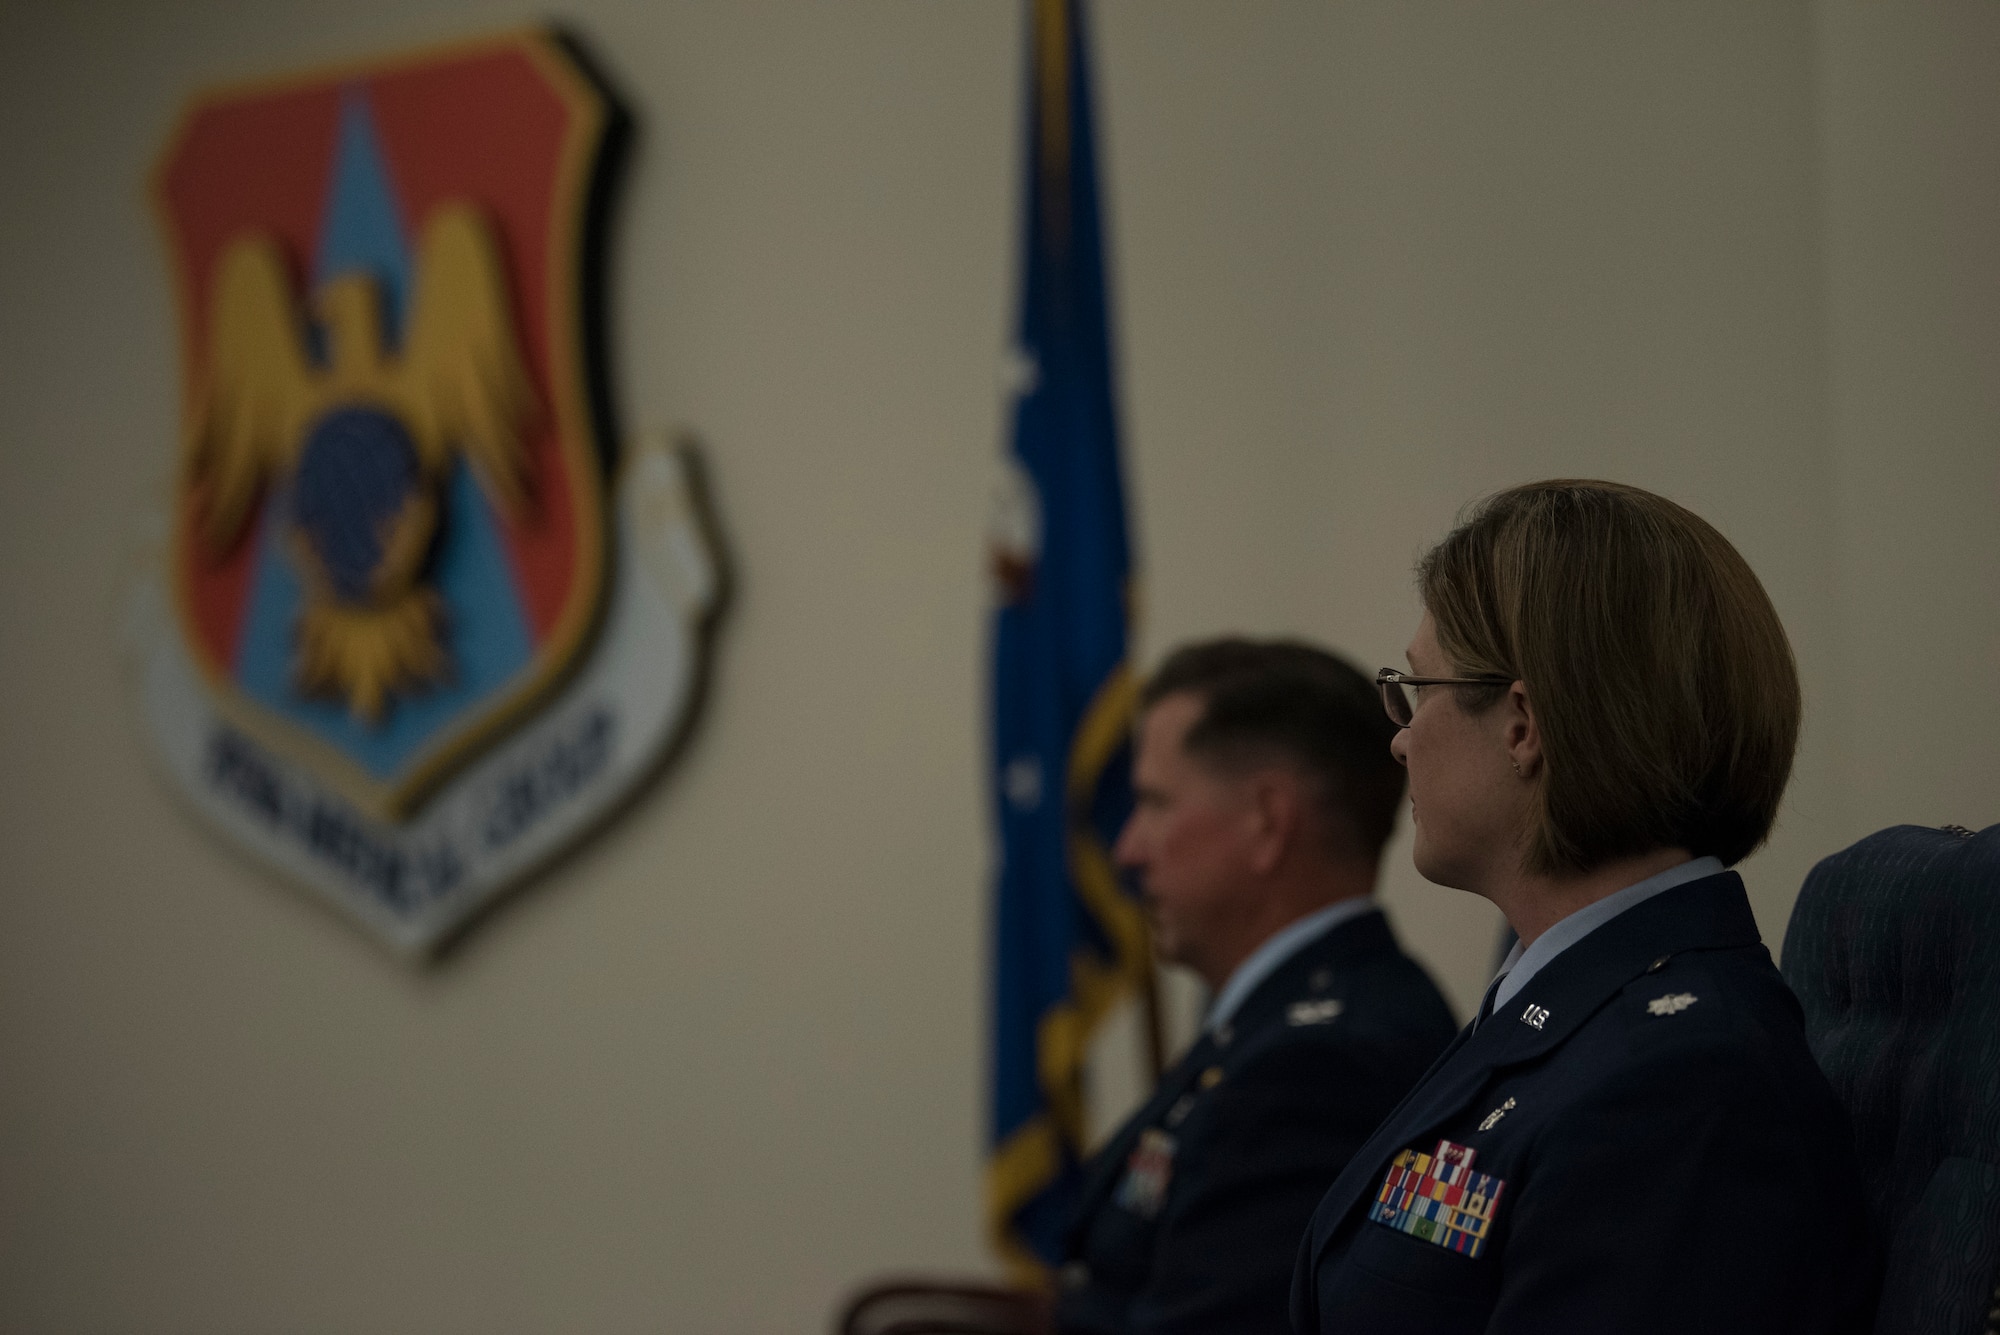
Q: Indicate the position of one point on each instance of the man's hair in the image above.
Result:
(1659, 675)
(1282, 700)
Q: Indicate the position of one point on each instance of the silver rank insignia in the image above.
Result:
(1671, 1004)
(1147, 1173)
(1493, 1118)
(1315, 1012)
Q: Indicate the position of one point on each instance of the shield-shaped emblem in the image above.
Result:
(409, 633)
(389, 540)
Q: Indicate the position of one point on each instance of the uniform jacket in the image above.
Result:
(1191, 1214)
(1649, 1141)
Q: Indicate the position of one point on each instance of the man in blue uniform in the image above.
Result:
(1265, 791)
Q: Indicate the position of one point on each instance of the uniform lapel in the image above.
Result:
(1712, 913)
(1109, 1163)
(1359, 937)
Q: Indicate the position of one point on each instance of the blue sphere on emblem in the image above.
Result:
(356, 473)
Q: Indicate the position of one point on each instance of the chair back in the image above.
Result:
(1894, 952)
(915, 1307)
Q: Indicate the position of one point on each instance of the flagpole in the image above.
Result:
(1156, 1038)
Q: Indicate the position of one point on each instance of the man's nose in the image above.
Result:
(1126, 851)
(1399, 746)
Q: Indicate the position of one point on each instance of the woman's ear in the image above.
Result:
(1523, 737)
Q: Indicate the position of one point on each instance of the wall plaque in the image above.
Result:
(414, 626)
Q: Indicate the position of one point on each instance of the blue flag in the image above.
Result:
(1068, 940)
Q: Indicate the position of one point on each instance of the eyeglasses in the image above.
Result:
(1396, 696)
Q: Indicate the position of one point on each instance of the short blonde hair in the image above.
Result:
(1661, 680)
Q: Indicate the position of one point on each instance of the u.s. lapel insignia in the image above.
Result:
(1315, 1012)
(1438, 1198)
(1671, 1004)
(409, 631)
(1492, 1119)
(1148, 1172)
(1535, 1016)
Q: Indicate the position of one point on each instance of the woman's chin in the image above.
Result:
(1438, 870)
(1427, 867)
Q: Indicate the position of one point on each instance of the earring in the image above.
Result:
(1517, 769)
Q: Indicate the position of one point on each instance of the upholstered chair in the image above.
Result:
(1894, 951)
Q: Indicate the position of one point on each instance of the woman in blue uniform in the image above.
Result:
(1598, 720)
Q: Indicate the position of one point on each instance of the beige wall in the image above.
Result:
(1909, 102)
(1372, 261)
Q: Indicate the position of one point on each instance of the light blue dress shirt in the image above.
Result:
(1522, 965)
(1278, 947)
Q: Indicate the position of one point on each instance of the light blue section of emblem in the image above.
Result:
(363, 226)
(486, 632)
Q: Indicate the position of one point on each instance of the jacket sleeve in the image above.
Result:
(1683, 1195)
(1281, 1130)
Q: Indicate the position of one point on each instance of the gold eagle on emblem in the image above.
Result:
(362, 439)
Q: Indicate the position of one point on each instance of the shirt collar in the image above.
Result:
(1522, 965)
(1278, 947)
